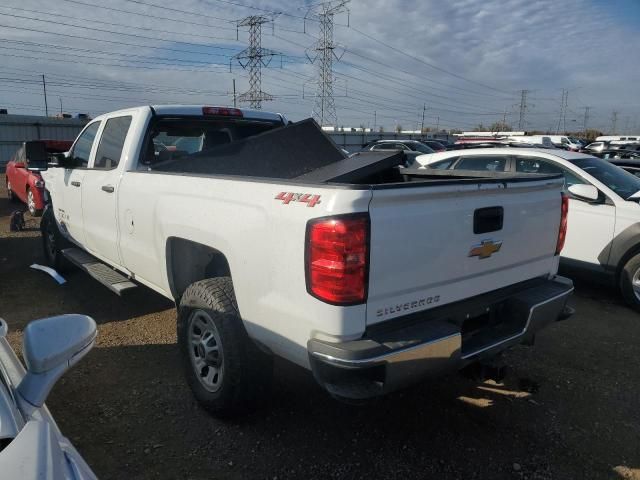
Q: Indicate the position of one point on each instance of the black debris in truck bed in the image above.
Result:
(358, 166)
(286, 152)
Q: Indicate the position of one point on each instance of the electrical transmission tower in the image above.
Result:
(564, 105)
(614, 122)
(586, 117)
(324, 53)
(523, 108)
(253, 58)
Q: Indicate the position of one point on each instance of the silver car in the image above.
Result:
(31, 445)
(410, 148)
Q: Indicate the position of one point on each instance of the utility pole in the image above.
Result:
(60, 98)
(586, 118)
(324, 110)
(254, 57)
(44, 89)
(523, 109)
(614, 122)
(424, 109)
(375, 120)
(234, 94)
(437, 124)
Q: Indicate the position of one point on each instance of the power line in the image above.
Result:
(435, 67)
(113, 24)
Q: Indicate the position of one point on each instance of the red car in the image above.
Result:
(23, 182)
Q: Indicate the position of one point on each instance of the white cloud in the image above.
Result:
(509, 45)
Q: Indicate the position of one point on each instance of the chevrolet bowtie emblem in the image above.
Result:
(485, 249)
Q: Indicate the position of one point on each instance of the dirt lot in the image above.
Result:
(568, 409)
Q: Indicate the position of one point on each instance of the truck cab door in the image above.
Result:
(100, 191)
(68, 209)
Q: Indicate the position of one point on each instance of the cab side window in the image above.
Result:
(386, 146)
(19, 157)
(82, 148)
(492, 163)
(442, 164)
(112, 142)
(539, 165)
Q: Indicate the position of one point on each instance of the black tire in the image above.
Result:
(245, 371)
(630, 270)
(53, 242)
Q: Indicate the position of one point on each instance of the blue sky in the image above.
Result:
(466, 60)
(627, 11)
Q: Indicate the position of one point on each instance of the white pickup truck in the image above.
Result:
(271, 242)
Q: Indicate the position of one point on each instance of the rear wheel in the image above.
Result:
(31, 204)
(53, 242)
(10, 195)
(630, 282)
(226, 371)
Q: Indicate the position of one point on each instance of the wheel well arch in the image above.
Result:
(189, 262)
(631, 252)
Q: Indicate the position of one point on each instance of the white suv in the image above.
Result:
(603, 237)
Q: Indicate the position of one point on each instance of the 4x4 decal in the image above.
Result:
(308, 198)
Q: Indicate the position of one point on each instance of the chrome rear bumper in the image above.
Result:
(404, 350)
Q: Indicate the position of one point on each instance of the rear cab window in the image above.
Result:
(170, 140)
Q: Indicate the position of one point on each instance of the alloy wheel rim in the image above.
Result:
(31, 203)
(635, 283)
(205, 350)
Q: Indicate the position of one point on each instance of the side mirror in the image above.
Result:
(50, 347)
(61, 160)
(584, 192)
(35, 152)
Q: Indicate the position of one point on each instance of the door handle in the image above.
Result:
(107, 188)
(75, 184)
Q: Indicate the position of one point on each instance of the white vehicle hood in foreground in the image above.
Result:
(37, 454)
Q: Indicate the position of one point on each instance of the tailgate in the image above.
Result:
(424, 252)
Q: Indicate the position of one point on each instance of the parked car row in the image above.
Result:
(603, 239)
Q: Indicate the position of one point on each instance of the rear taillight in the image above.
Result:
(222, 111)
(562, 232)
(337, 259)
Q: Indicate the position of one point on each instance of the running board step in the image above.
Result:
(113, 280)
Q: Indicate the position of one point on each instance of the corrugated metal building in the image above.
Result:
(15, 129)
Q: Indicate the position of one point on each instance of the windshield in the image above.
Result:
(419, 147)
(618, 180)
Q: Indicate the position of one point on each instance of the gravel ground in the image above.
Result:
(568, 409)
